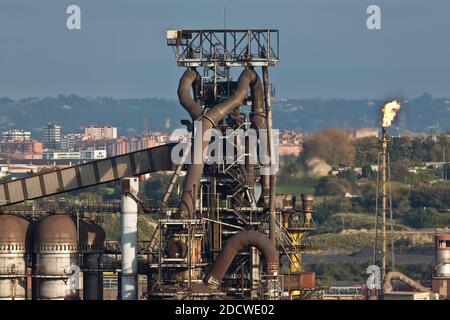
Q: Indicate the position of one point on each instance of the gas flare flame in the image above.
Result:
(389, 111)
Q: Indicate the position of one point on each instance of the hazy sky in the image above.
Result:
(326, 49)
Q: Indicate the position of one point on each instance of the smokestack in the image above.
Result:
(307, 204)
(383, 167)
(128, 238)
(389, 112)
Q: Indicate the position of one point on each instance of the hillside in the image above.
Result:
(351, 232)
(74, 112)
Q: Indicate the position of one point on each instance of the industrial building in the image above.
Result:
(228, 235)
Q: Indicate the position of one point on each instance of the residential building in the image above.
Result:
(290, 143)
(16, 135)
(52, 136)
(61, 155)
(70, 141)
(100, 132)
(21, 149)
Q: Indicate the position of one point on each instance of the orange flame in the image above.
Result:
(389, 111)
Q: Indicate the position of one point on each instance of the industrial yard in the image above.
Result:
(216, 167)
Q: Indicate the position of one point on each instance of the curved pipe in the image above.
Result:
(236, 243)
(189, 79)
(387, 286)
(257, 115)
(209, 119)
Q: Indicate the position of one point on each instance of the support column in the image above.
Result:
(256, 279)
(128, 238)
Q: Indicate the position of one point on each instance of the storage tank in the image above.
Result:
(56, 258)
(443, 256)
(13, 259)
(92, 243)
(441, 277)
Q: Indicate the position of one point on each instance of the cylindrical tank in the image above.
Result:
(307, 203)
(441, 276)
(92, 242)
(56, 270)
(13, 235)
(442, 256)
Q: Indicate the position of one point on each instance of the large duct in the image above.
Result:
(236, 243)
(189, 79)
(390, 276)
(209, 119)
(13, 236)
(258, 121)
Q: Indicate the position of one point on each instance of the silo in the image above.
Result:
(56, 268)
(441, 276)
(443, 256)
(13, 234)
(92, 241)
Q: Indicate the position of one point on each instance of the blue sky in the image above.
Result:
(325, 48)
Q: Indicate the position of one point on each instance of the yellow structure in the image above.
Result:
(403, 295)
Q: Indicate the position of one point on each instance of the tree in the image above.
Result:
(332, 186)
(431, 196)
(447, 171)
(155, 187)
(400, 197)
(367, 171)
(399, 171)
(349, 175)
(366, 151)
(419, 151)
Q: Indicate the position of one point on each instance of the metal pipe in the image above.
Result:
(210, 119)
(128, 238)
(236, 243)
(258, 121)
(387, 286)
(189, 79)
(272, 179)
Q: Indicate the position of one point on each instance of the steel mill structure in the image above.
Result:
(228, 235)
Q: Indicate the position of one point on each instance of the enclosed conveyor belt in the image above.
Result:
(87, 174)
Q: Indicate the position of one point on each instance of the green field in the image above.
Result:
(297, 186)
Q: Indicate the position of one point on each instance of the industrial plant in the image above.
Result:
(228, 234)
